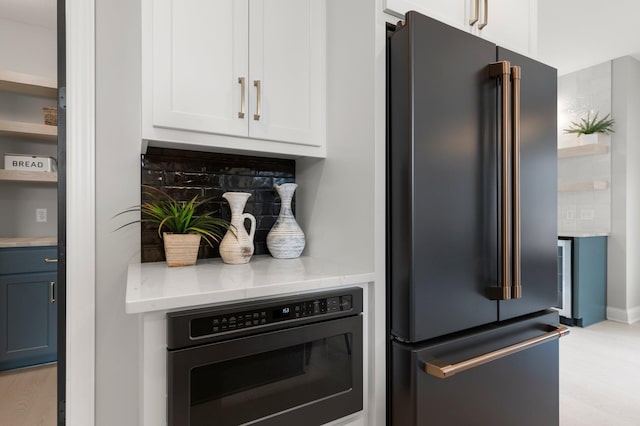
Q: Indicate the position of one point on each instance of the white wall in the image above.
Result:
(334, 203)
(580, 93)
(27, 49)
(575, 34)
(117, 187)
(623, 280)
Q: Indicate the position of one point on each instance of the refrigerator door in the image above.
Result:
(538, 186)
(519, 389)
(442, 180)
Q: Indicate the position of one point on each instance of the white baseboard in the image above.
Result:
(627, 316)
(634, 314)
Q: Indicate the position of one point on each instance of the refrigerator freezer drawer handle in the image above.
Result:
(443, 370)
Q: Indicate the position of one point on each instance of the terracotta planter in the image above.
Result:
(181, 249)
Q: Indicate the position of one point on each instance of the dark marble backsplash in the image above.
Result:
(184, 174)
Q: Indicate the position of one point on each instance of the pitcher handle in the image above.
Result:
(249, 216)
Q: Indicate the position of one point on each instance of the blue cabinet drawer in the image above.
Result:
(21, 260)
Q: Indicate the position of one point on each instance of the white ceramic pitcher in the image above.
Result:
(237, 245)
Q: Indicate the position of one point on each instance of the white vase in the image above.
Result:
(285, 239)
(237, 245)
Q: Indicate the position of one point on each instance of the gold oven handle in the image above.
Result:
(516, 286)
(442, 370)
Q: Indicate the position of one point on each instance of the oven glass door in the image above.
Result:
(310, 374)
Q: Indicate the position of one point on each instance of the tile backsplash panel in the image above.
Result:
(184, 174)
(579, 93)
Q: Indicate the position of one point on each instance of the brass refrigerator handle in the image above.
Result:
(502, 69)
(243, 96)
(516, 286)
(443, 370)
(473, 20)
(52, 292)
(256, 116)
(485, 21)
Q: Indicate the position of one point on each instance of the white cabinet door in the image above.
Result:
(510, 24)
(287, 60)
(199, 53)
(451, 12)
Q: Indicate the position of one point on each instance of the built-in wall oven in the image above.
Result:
(282, 361)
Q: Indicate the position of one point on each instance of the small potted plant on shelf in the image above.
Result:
(179, 226)
(588, 129)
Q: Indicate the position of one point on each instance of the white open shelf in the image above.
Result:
(28, 130)
(582, 150)
(28, 84)
(27, 176)
(596, 185)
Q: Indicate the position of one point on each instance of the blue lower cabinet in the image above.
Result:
(589, 280)
(28, 309)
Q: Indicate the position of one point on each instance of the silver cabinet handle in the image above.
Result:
(243, 96)
(47, 260)
(502, 70)
(52, 292)
(256, 116)
(473, 20)
(516, 287)
(485, 21)
(443, 370)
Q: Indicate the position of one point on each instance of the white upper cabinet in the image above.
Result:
(511, 24)
(508, 23)
(199, 50)
(451, 12)
(235, 75)
(287, 61)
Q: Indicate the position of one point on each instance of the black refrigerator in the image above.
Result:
(471, 231)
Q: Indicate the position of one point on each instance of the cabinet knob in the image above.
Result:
(485, 21)
(473, 20)
(258, 113)
(241, 80)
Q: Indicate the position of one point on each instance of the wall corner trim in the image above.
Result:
(80, 220)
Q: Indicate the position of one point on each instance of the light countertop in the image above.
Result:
(28, 242)
(583, 234)
(156, 287)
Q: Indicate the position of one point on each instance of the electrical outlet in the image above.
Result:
(587, 214)
(41, 215)
(570, 215)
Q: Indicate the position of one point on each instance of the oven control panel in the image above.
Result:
(244, 319)
(224, 322)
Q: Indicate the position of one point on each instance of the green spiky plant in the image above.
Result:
(178, 217)
(588, 126)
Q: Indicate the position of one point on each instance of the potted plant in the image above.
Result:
(179, 226)
(588, 129)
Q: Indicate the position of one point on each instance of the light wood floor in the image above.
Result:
(28, 396)
(599, 381)
(600, 375)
